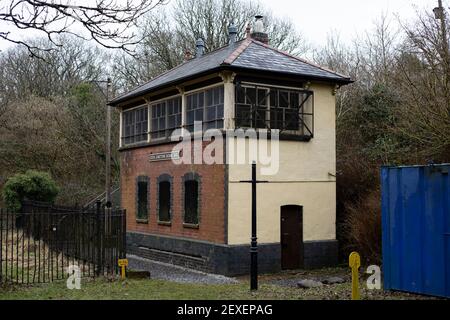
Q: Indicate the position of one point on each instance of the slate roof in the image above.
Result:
(245, 54)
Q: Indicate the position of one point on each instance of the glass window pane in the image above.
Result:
(284, 99)
(164, 201)
(142, 202)
(190, 117)
(210, 113)
(191, 202)
(220, 111)
(240, 95)
(216, 95)
(251, 95)
(199, 115)
(262, 97)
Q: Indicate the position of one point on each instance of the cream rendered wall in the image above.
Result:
(306, 177)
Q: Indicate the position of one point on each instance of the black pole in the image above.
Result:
(98, 242)
(254, 242)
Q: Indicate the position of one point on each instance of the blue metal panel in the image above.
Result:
(415, 204)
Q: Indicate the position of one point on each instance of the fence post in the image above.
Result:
(124, 232)
(1, 245)
(99, 237)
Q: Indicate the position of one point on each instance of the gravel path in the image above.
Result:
(165, 271)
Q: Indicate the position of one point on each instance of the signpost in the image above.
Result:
(254, 242)
(354, 261)
(123, 264)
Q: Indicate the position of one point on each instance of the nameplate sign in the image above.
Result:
(162, 156)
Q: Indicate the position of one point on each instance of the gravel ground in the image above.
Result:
(165, 271)
(291, 278)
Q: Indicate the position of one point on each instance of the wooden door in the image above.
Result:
(291, 237)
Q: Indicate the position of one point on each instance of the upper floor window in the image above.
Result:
(289, 110)
(205, 106)
(165, 118)
(135, 125)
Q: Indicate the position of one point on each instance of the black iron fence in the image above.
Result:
(40, 242)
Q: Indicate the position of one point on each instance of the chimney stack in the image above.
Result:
(200, 48)
(232, 32)
(247, 31)
(187, 55)
(258, 30)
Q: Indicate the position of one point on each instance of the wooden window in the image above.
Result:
(166, 117)
(134, 125)
(173, 115)
(142, 191)
(191, 200)
(164, 198)
(251, 107)
(291, 111)
(206, 106)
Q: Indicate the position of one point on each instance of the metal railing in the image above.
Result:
(41, 241)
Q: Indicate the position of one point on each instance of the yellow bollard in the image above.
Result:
(354, 261)
(123, 263)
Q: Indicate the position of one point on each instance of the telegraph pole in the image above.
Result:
(108, 146)
(439, 13)
(253, 241)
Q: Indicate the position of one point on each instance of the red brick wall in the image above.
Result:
(135, 162)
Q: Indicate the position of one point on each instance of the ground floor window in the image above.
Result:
(164, 198)
(191, 198)
(142, 191)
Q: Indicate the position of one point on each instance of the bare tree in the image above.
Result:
(209, 20)
(423, 80)
(55, 74)
(108, 22)
(169, 32)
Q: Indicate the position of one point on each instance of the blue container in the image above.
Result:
(415, 204)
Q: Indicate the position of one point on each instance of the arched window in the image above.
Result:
(142, 197)
(191, 186)
(164, 198)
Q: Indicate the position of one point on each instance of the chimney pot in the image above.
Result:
(232, 32)
(200, 48)
(187, 55)
(258, 30)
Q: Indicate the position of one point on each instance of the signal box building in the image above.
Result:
(199, 215)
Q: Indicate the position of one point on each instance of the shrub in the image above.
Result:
(361, 227)
(31, 185)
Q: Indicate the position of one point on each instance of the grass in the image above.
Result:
(149, 289)
(26, 260)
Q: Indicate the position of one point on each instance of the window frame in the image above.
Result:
(124, 137)
(205, 106)
(140, 179)
(164, 178)
(303, 129)
(166, 117)
(192, 176)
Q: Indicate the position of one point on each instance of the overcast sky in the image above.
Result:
(315, 19)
